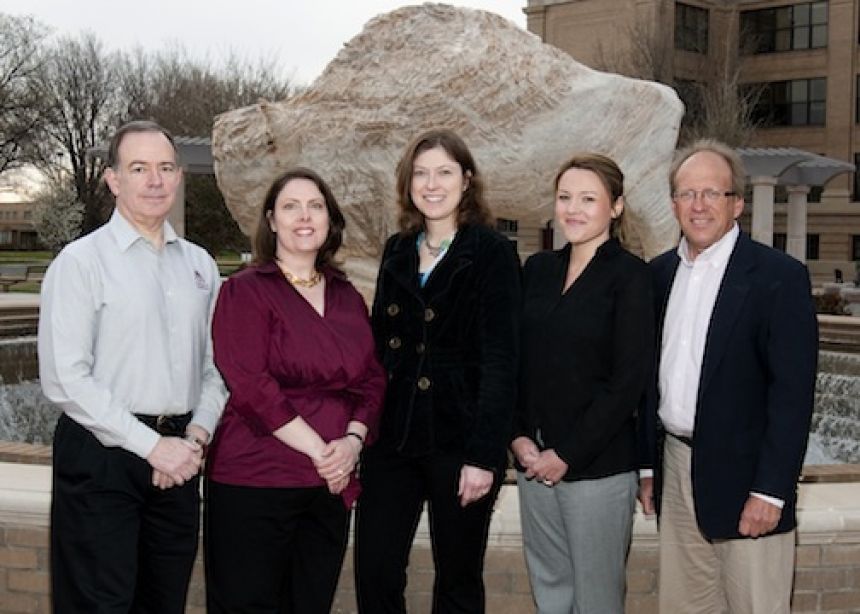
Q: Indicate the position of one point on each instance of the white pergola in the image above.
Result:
(798, 171)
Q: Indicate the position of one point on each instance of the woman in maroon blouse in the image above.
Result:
(293, 342)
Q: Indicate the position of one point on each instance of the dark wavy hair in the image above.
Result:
(473, 208)
(607, 171)
(265, 240)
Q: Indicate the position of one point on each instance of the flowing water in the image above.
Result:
(26, 415)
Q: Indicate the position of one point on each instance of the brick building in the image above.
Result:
(16, 221)
(804, 57)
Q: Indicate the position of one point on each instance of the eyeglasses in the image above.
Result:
(709, 196)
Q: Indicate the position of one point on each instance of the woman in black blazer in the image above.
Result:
(445, 319)
(587, 349)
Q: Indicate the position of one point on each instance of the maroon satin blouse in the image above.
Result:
(280, 359)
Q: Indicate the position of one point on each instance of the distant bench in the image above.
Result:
(11, 274)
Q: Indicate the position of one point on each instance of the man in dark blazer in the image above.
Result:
(725, 425)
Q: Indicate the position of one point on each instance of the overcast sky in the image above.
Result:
(304, 34)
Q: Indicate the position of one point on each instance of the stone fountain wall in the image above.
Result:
(27, 416)
(836, 422)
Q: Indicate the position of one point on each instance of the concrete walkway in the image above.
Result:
(18, 299)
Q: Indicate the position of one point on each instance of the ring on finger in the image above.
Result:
(547, 482)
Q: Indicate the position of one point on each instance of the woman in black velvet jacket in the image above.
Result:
(445, 319)
(587, 350)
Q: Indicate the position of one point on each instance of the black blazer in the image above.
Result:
(586, 358)
(450, 348)
(757, 386)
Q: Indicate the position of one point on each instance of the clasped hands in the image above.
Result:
(336, 461)
(545, 466)
(175, 460)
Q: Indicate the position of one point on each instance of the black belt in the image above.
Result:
(170, 425)
(687, 441)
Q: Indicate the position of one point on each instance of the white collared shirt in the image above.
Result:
(125, 329)
(685, 330)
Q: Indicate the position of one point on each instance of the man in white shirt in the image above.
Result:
(725, 426)
(125, 351)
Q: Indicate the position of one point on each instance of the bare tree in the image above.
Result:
(80, 88)
(648, 55)
(60, 99)
(20, 106)
(184, 95)
(726, 107)
(718, 106)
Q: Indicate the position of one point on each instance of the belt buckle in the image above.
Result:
(160, 423)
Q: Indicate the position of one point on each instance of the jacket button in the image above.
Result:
(429, 314)
(423, 383)
(394, 343)
(420, 347)
(393, 309)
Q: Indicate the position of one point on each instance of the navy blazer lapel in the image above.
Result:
(730, 301)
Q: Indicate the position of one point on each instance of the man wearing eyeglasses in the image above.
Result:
(726, 423)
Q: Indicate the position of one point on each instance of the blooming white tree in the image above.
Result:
(58, 215)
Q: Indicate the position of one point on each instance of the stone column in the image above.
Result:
(795, 242)
(762, 208)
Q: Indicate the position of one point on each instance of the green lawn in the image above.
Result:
(30, 286)
(228, 262)
(25, 257)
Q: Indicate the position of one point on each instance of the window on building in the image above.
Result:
(812, 242)
(28, 215)
(691, 28)
(815, 193)
(784, 28)
(780, 241)
(507, 227)
(857, 101)
(855, 194)
(690, 93)
(801, 102)
(855, 247)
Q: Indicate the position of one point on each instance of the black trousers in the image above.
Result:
(272, 550)
(389, 508)
(118, 544)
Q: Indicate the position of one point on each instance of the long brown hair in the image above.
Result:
(472, 209)
(265, 240)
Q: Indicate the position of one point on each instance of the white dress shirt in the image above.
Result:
(685, 329)
(125, 329)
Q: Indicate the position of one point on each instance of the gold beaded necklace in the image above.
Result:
(310, 282)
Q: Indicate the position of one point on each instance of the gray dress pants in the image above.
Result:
(576, 537)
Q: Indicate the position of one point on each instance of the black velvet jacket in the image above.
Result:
(450, 348)
(587, 354)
